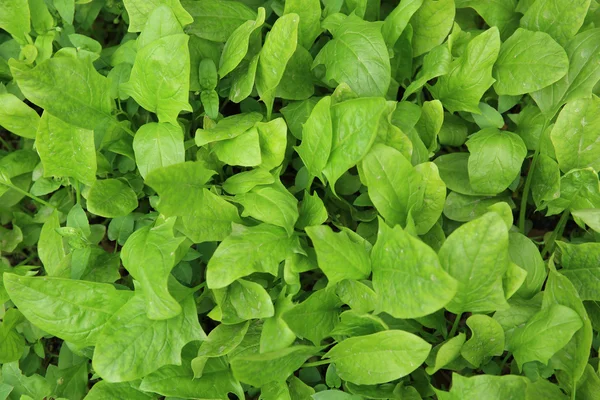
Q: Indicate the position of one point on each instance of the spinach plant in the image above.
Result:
(299, 199)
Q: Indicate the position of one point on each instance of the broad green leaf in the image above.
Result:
(579, 189)
(131, 345)
(250, 249)
(276, 334)
(590, 216)
(66, 150)
(341, 255)
(276, 366)
(579, 262)
(495, 159)
(529, 61)
(243, 80)
(309, 26)
(396, 21)
(161, 22)
(312, 211)
(237, 44)
(573, 358)
(160, 77)
(430, 123)
(17, 117)
(317, 138)
(66, 308)
(431, 24)
(209, 220)
(574, 135)
(228, 128)
(559, 19)
(435, 63)
(501, 13)
(158, 145)
(12, 344)
(453, 131)
(14, 19)
(453, 169)
(68, 88)
(228, 151)
(489, 117)
(223, 339)
(247, 180)
(517, 315)
(279, 47)
(139, 11)
(358, 296)
(275, 391)
(272, 137)
(216, 382)
(272, 204)
(488, 387)
(106, 390)
(358, 56)
(51, 249)
(470, 75)
(353, 323)
(216, 20)
(526, 255)
(111, 198)
(432, 196)
(487, 340)
(355, 126)
(584, 73)
(297, 80)
(25, 387)
(296, 114)
(71, 382)
(545, 182)
(149, 255)
(179, 186)
(378, 358)
(393, 183)
(445, 353)
(315, 317)
(544, 334)
(407, 275)
(476, 255)
(250, 300)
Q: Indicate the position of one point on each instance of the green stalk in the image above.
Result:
(24, 193)
(455, 325)
(316, 363)
(525, 194)
(556, 233)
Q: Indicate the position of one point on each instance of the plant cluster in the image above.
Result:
(299, 199)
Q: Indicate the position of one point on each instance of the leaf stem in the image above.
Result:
(556, 233)
(525, 194)
(455, 325)
(25, 193)
(316, 363)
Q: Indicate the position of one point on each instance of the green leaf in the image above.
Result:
(453, 168)
(106, 390)
(49, 302)
(178, 381)
(431, 198)
(51, 249)
(579, 189)
(526, 255)
(584, 73)
(435, 63)
(158, 145)
(529, 61)
(227, 128)
(358, 56)
(297, 80)
(221, 340)
(272, 137)
(500, 13)
(216, 20)
(545, 182)
(250, 249)
(580, 266)
(279, 47)
(431, 24)
(560, 20)
(149, 255)
(130, 339)
(476, 255)
(66, 150)
(228, 152)
(237, 44)
(247, 180)
(489, 117)
(487, 340)
(317, 138)
(342, 255)
(160, 77)
(407, 275)
(84, 101)
(315, 317)
(161, 22)
(276, 366)
(446, 353)
(111, 198)
(139, 12)
(487, 386)
(470, 75)
(358, 296)
(14, 19)
(24, 387)
(378, 358)
(17, 117)
(309, 26)
(312, 211)
(590, 216)
(574, 135)
(495, 159)
(12, 345)
(396, 21)
(544, 334)
(250, 300)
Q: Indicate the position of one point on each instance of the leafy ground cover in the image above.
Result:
(299, 199)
